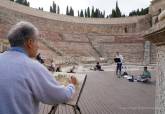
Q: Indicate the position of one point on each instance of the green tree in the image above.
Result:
(54, 7)
(58, 10)
(19, 1)
(104, 14)
(78, 13)
(81, 13)
(51, 9)
(88, 12)
(139, 12)
(23, 2)
(92, 13)
(71, 13)
(40, 8)
(118, 12)
(97, 13)
(113, 13)
(67, 10)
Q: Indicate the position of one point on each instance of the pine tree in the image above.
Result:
(88, 12)
(92, 14)
(104, 14)
(113, 13)
(40, 8)
(19, 1)
(139, 12)
(118, 12)
(96, 13)
(67, 10)
(78, 13)
(23, 2)
(58, 10)
(71, 12)
(54, 7)
(51, 9)
(81, 13)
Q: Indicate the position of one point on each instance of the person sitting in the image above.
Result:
(58, 69)
(98, 67)
(38, 57)
(52, 66)
(145, 77)
(72, 70)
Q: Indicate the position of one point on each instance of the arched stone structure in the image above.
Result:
(81, 37)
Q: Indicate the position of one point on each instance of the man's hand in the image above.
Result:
(73, 80)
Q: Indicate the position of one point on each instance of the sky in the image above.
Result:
(125, 6)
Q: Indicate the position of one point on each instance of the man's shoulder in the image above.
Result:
(34, 64)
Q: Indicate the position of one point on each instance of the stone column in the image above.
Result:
(147, 53)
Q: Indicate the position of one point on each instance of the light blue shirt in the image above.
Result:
(25, 82)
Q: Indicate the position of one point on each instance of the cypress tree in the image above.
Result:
(96, 13)
(54, 7)
(92, 14)
(51, 10)
(113, 13)
(118, 12)
(19, 1)
(88, 12)
(40, 8)
(139, 12)
(81, 13)
(104, 14)
(78, 13)
(67, 11)
(58, 10)
(23, 2)
(71, 13)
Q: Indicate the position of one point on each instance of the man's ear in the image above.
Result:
(29, 43)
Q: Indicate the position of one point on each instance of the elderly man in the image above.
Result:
(24, 82)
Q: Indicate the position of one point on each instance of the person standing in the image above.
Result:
(24, 82)
(119, 64)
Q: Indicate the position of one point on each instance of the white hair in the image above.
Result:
(21, 32)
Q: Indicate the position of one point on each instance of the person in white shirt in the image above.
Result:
(24, 82)
(119, 64)
(52, 66)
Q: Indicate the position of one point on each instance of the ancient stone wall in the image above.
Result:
(80, 37)
(156, 35)
(156, 7)
(160, 87)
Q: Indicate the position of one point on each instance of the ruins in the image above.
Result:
(74, 39)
